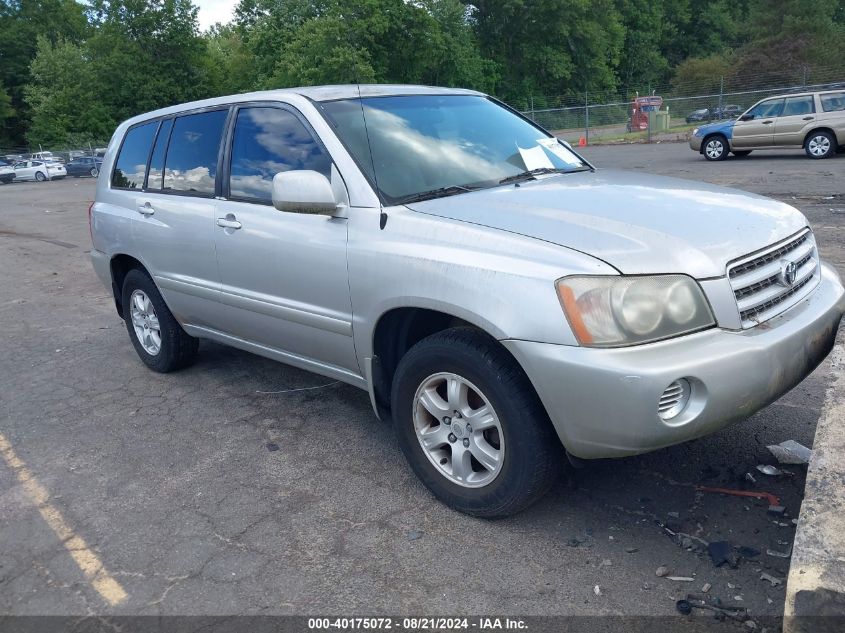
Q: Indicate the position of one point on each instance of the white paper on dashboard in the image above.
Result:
(535, 158)
(559, 150)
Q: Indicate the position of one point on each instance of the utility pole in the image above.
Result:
(721, 91)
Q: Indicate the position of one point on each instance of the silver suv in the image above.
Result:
(498, 297)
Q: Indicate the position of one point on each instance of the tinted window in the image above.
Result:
(154, 178)
(766, 109)
(796, 106)
(268, 141)
(132, 160)
(191, 163)
(833, 101)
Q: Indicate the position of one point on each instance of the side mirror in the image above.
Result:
(303, 191)
(746, 117)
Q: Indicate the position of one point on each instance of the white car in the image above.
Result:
(39, 170)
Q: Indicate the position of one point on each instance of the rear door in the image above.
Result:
(284, 274)
(174, 201)
(759, 129)
(797, 118)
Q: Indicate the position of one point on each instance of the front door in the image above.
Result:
(283, 275)
(759, 128)
(799, 113)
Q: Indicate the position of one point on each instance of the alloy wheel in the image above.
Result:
(819, 145)
(145, 322)
(714, 148)
(458, 430)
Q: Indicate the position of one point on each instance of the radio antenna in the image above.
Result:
(382, 222)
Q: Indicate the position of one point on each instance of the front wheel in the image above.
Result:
(94, 172)
(471, 425)
(716, 148)
(820, 145)
(157, 337)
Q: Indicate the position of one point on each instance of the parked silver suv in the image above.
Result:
(495, 294)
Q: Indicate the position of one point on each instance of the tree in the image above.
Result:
(61, 96)
(22, 22)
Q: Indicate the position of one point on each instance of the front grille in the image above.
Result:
(758, 281)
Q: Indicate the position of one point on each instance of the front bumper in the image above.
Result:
(603, 402)
(695, 142)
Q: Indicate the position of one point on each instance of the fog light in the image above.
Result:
(674, 399)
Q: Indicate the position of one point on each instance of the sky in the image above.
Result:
(212, 11)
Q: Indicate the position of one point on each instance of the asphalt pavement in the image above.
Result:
(243, 486)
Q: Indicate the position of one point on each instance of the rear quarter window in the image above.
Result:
(131, 163)
(191, 163)
(833, 101)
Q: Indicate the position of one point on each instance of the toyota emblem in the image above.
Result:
(788, 273)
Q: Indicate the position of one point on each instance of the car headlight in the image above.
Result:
(617, 311)
(696, 131)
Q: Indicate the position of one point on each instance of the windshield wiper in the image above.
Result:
(440, 192)
(531, 173)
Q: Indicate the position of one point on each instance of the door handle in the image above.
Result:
(766, 122)
(229, 222)
(809, 118)
(146, 209)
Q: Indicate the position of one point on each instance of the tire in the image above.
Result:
(528, 455)
(175, 348)
(742, 154)
(40, 177)
(94, 172)
(715, 147)
(820, 145)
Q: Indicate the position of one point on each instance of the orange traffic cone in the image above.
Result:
(582, 142)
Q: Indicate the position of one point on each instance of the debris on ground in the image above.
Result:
(778, 554)
(776, 510)
(415, 535)
(680, 578)
(722, 552)
(706, 587)
(750, 477)
(662, 571)
(790, 452)
(775, 581)
(740, 614)
(597, 590)
(772, 499)
(766, 469)
(272, 446)
(631, 550)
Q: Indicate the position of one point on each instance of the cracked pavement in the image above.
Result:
(170, 481)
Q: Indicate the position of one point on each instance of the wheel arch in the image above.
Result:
(711, 135)
(120, 265)
(397, 330)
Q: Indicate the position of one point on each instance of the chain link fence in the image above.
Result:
(608, 118)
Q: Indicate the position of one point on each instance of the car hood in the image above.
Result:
(638, 223)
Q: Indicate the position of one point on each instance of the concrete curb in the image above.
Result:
(816, 583)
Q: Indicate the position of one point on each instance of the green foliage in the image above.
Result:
(72, 71)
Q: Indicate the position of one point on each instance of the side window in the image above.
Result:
(156, 176)
(191, 163)
(766, 109)
(131, 163)
(833, 101)
(796, 106)
(268, 141)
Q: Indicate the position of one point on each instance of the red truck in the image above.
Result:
(640, 108)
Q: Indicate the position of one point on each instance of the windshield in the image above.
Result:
(433, 145)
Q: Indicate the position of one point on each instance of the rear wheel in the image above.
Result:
(94, 172)
(716, 148)
(820, 145)
(40, 177)
(742, 154)
(471, 426)
(157, 337)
